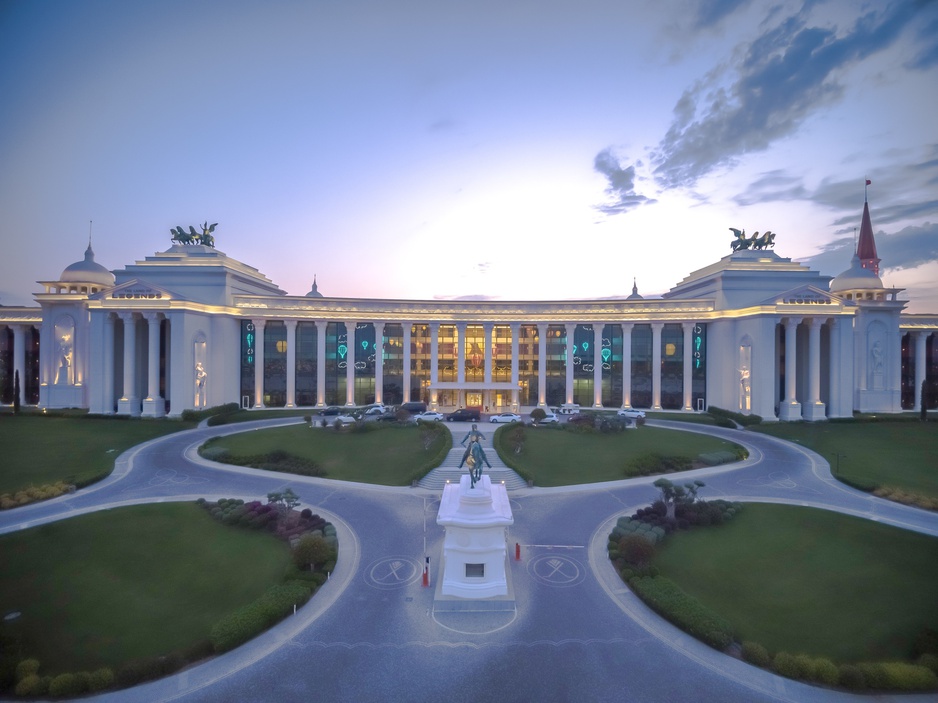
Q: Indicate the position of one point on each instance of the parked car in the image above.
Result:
(428, 416)
(569, 409)
(549, 419)
(332, 410)
(630, 413)
(414, 407)
(344, 418)
(377, 410)
(464, 415)
(505, 417)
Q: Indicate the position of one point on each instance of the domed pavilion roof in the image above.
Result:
(856, 278)
(87, 271)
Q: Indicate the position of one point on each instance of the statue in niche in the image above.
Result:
(876, 357)
(200, 378)
(474, 455)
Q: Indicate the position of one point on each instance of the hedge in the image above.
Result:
(247, 622)
(666, 598)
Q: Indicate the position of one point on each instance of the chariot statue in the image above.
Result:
(180, 235)
(756, 241)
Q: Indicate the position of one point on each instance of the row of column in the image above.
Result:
(153, 405)
(656, 327)
(790, 408)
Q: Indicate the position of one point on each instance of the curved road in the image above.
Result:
(370, 634)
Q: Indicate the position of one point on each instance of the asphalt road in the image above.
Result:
(370, 634)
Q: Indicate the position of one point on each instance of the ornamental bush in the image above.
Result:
(27, 667)
(31, 685)
(756, 654)
(67, 685)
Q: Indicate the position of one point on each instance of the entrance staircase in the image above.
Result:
(449, 470)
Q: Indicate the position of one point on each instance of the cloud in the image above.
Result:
(621, 184)
(712, 12)
(773, 185)
(778, 80)
(908, 248)
(927, 55)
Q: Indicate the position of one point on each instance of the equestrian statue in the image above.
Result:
(754, 242)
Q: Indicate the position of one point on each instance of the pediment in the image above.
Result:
(803, 295)
(136, 289)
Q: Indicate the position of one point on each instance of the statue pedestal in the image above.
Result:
(474, 573)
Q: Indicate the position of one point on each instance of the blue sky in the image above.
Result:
(512, 150)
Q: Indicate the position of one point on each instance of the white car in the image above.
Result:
(378, 410)
(505, 417)
(344, 418)
(549, 419)
(630, 413)
(428, 416)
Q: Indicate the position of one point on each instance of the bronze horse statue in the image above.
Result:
(192, 237)
(754, 242)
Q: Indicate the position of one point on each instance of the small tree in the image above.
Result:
(636, 550)
(16, 392)
(537, 415)
(311, 550)
(285, 501)
(671, 495)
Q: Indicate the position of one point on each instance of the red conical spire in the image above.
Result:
(866, 245)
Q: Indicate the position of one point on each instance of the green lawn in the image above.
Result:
(388, 455)
(554, 457)
(901, 454)
(100, 589)
(809, 581)
(39, 450)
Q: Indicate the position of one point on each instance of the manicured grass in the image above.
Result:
(554, 457)
(901, 454)
(101, 589)
(39, 450)
(809, 581)
(388, 455)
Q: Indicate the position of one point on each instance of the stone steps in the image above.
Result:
(449, 471)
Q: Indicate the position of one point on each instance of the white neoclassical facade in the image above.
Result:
(191, 327)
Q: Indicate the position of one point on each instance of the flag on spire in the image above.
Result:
(869, 182)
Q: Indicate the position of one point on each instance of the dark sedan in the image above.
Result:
(463, 415)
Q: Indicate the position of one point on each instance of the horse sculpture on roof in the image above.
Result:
(754, 242)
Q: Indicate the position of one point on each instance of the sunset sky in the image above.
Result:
(511, 150)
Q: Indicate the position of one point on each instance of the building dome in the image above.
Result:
(314, 291)
(635, 294)
(856, 278)
(87, 271)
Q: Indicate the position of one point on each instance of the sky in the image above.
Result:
(469, 150)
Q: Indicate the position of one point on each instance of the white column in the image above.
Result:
(379, 362)
(350, 363)
(598, 364)
(814, 409)
(405, 383)
(688, 328)
(259, 362)
(656, 328)
(153, 404)
(19, 358)
(487, 334)
(790, 408)
(627, 364)
(291, 362)
(920, 338)
(107, 383)
(542, 330)
(460, 353)
(515, 400)
(129, 404)
(321, 328)
(568, 366)
(434, 362)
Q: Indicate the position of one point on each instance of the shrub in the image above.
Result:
(138, 670)
(100, 680)
(785, 664)
(27, 667)
(310, 550)
(67, 685)
(665, 597)
(252, 619)
(30, 685)
(851, 677)
(636, 549)
(826, 672)
(756, 654)
(898, 676)
(928, 660)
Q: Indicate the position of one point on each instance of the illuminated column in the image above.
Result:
(790, 409)
(487, 332)
(321, 329)
(460, 353)
(259, 362)
(568, 365)
(921, 338)
(688, 328)
(350, 363)
(19, 357)
(434, 361)
(597, 364)
(814, 408)
(515, 400)
(129, 404)
(379, 362)
(291, 363)
(627, 364)
(542, 330)
(656, 328)
(406, 328)
(107, 385)
(153, 404)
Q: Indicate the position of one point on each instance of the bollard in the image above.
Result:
(517, 552)
(426, 578)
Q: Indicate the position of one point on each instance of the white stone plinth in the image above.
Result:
(475, 547)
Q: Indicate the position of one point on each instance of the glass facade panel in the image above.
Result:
(248, 345)
(337, 355)
(556, 365)
(527, 364)
(275, 364)
(699, 366)
(393, 369)
(475, 354)
(583, 365)
(307, 339)
(641, 366)
(612, 366)
(420, 363)
(501, 354)
(364, 359)
(672, 367)
(448, 351)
